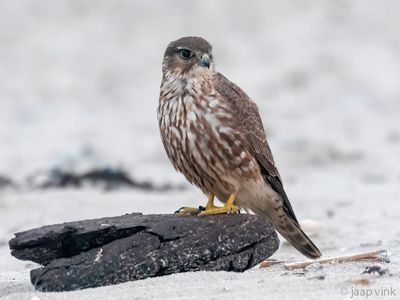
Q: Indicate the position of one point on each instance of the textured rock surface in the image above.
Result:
(107, 251)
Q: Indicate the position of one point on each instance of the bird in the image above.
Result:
(213, 134)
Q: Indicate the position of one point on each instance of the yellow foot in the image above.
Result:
(210, 209)
(228, 208)
(189, 211)
(220, 210)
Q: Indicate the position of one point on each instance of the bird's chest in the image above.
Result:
(200, 137)
(192, 135)
(195, 125)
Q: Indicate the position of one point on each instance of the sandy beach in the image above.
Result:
(79, 84)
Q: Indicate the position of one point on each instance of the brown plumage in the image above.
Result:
(213, 134)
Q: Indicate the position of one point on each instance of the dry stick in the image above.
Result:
(377, 254)
(269, 262)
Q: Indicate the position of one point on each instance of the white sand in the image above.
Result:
(79, 87)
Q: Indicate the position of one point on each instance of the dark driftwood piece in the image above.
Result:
(107, 178)
(106, 251)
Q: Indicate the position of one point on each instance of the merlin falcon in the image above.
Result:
(213, 134)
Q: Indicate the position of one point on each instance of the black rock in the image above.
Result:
(106, 251)
(375, 270)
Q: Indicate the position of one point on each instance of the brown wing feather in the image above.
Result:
(250, 122)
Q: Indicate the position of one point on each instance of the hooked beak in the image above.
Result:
(204, 61)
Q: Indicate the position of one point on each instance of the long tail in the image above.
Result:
(292, 232)
(284, 219)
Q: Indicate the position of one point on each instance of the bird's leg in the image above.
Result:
(228, 208)
(210, 203)
(190, 211)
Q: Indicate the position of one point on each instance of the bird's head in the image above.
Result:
(188, 54)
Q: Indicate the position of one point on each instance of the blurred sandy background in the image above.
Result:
(79, 84)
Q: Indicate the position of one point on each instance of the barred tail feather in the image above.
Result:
(292, 232)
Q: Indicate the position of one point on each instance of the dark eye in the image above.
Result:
(186, 54)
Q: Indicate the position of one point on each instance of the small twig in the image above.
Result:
(371, 255)
(269, 262)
